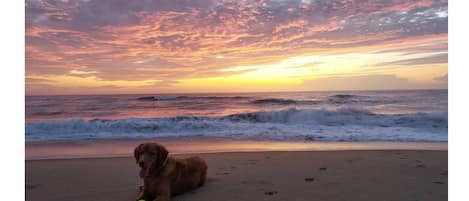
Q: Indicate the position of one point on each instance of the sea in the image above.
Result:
(339, 116)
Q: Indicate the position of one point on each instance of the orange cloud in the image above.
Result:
(137, 43)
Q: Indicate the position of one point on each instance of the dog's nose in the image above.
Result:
(140, 164)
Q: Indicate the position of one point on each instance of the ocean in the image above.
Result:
(364, 116)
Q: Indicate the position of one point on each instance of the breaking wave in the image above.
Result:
(343, 124)
(280, 101)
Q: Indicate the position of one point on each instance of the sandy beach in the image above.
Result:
(304, 175)
(311, 100)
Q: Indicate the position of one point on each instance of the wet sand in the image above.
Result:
(186, 145)
(304, 175)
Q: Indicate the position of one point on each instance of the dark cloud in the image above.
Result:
(437, 46)
(36, 81)
(434, 59)
(443, 78)
(366, 82)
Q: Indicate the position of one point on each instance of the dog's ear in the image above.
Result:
(162, 154)
(137, 152)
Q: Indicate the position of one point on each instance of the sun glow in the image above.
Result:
(236, 84)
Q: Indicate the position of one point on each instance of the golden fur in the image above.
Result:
(164, 175)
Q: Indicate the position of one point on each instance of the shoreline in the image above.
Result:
(124, 147)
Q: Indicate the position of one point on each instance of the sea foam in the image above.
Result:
(342, 124)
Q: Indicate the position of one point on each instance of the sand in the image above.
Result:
(180, 145)
(312, 175)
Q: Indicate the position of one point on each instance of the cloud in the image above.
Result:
(87, 80)
(155, 61)
(179, 39)
(79, 72)
(167, 83)
(433, 59)
(443, 78)
(365, 82)
(29, 80)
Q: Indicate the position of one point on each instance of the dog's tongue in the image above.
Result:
(143, 172)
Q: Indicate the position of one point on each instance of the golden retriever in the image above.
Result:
(164, 176)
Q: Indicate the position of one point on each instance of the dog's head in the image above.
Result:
(150, 157)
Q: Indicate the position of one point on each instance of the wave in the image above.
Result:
(341, 99)
(338, 99)
(281, 101)
(157, 98)
(344, 96)
(344, 116)
(169, 98)
(345, 124)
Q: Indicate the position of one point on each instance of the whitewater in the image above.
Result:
(403, 116)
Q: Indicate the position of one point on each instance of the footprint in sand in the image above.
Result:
(402, 155)
(309, 179)
(270, 193)
(256, 182)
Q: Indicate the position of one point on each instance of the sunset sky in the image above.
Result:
(180, 46)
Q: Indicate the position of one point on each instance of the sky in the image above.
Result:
(195, 46)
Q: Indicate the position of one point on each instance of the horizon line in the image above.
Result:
(292, 91)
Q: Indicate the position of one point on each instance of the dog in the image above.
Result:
(164, 176)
